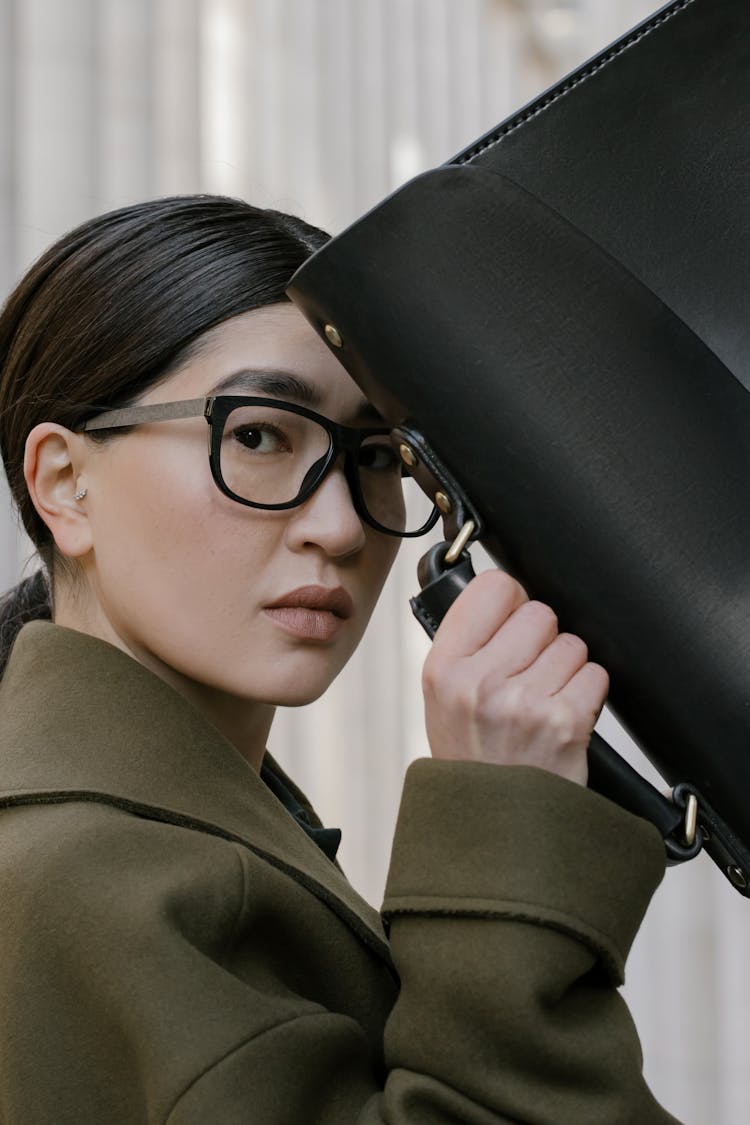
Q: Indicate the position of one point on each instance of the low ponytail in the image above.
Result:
(28, 601)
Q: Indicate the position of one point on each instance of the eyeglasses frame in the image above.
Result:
(217, 408)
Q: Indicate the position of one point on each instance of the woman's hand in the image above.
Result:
(502, 685)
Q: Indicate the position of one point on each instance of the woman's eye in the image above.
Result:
(261, 438)
(379, 457)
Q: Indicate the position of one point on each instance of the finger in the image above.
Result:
(477, 613)
(587, 690)
(557, 664)
(521, 639)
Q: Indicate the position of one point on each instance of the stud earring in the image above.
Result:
(80, 494)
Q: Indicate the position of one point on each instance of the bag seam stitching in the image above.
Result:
(560, 91)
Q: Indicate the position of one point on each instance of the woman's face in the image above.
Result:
(184, 577)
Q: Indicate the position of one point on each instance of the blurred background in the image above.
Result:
(322, 107)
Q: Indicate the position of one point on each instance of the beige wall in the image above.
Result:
(323, 106)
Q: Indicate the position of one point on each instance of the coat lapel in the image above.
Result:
(81, 720)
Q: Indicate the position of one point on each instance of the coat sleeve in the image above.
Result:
(512, 900)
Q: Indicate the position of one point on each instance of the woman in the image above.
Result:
(176, 944)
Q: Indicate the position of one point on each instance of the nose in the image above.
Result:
(328, 519)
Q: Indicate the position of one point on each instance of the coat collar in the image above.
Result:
(81, 720)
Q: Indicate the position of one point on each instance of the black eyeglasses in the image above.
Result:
(271, 454)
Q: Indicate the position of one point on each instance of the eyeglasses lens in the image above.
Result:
(393, 499)
(268, 455)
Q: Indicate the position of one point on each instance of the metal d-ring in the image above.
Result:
(458, 544)
(692, 837)
(691, 819)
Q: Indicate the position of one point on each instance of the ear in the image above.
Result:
(54, 468)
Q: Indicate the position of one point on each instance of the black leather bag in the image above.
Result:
(562, 313)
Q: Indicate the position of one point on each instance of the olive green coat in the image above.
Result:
(175, 949)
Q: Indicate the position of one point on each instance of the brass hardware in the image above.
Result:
(333, 335)
(691, 819)
(443, 502)
(408, 456)
(737, 876)
(458, 544)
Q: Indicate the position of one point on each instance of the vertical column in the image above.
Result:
(7, 146)
(227, 140)
(730, 1088)
(500, 60)
(176, 97)
(338, 65)
(370, 94)
(437, 79)
(406, 155)
(300, 117)
(56, 120)
(125, 102)
(47, 111)
(8, 550)
(465, 113)
(263, 96)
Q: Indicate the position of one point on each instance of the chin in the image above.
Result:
(302, 679)
(294, 692)
(297, 699)
(301, 691)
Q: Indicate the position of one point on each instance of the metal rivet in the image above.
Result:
(333, 335)
(737, 876)
(443, 502)
(408, 456)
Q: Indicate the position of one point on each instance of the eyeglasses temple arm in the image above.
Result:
(153, 412)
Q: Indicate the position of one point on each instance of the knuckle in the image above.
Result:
(564, 723)
(516, 590)
(444, 683)
(513, 701)
(574, 644)
(434, 674)
(516, 695)
(484, 699)
(503, 585)
(542, 613)
(433, 678)
(601, 674)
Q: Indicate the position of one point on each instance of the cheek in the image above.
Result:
(174, 558)
(151, 508)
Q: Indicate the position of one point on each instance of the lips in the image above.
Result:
(323, 599)
(311, 614)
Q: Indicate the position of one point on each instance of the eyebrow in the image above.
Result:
(285, 384)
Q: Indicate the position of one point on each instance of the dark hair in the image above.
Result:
(113, 307)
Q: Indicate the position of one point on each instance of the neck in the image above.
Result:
(243, 722)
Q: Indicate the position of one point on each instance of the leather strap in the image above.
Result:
(433, 476)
